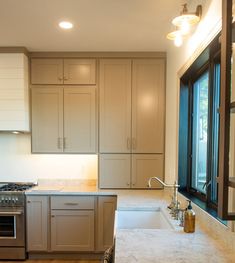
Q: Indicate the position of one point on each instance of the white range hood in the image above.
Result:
(14, 92)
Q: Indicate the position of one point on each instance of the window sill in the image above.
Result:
(203, 206)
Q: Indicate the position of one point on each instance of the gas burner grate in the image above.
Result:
(17, 187)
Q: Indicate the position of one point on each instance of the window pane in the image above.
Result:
(199, 135)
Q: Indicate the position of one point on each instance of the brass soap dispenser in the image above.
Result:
(189, 219)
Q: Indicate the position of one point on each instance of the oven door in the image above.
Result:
(12, 227)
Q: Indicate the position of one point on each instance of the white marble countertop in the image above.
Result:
(162, 245)
(168, 246)
(148, 245)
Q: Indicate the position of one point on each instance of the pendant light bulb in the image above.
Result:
(178, 41)
(185, 27)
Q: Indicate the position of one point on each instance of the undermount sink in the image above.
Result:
(141, 219)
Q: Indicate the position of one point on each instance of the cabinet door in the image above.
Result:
(72, 230)
(115, 105)
(80, 120)
(46, 71)
(145, 166)
(47, 120)
(37, 223)
(114, 171)
(106, 214)
(80, 71)
(148, 106)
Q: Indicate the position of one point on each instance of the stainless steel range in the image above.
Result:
(12, 220)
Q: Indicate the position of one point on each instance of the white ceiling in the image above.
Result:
(99, 25)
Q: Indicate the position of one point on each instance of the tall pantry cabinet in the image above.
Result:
(132, 121)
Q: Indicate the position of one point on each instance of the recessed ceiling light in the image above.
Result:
(66, 25)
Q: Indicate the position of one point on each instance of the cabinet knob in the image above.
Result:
(65, 78)
(52, 216)
(28, 202)
(127, 184)
(60, 79)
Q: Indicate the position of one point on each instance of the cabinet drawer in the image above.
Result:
(72, 202)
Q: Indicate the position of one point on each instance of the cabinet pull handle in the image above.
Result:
(71, 203)
(134, 144)
(59, 143)
(65, 78)
(60, 79)
(52, 216)
(65, 142)
(128, 143)
(28, 202)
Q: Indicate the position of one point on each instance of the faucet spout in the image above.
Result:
(174, 205)
(175, 185)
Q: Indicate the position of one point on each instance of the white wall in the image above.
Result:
(205, 31)
(18, 164)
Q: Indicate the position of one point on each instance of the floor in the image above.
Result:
(53, 261)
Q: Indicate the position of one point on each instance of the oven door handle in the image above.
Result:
(11, 213)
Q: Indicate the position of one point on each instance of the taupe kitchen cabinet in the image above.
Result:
(148, 105)
(72, 223)
(105, 222)
(115, 106)
(64, 119)
(63, 71)
(114, 170)
(132, 121)
(132, 105)
(129, 170)
(37, 222)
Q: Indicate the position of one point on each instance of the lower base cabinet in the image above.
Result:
(37, 223)
(105, 222)
(72, 230)
(72, 224)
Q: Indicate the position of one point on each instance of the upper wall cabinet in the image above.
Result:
(115, 105)
(132, 105)
(148, 105)
(64, 119)
(14, 92)
(63, 71)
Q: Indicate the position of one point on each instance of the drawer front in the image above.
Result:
(73, 202)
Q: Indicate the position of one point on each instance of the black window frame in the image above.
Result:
(207, 61)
